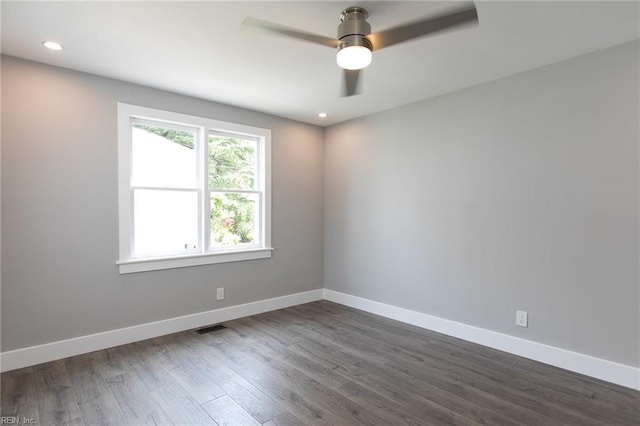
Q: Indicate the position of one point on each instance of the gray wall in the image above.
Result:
(60, 212)
(517, 194)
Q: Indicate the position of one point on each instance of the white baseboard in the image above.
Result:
(609, 371)
(33, 355)
(573, 361)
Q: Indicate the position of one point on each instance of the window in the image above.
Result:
(192, 190)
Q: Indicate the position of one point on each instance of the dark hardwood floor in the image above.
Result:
(319, 363)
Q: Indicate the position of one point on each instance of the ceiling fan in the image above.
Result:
(355, 42)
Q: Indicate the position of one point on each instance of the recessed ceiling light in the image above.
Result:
(52, 45)
(323, 115)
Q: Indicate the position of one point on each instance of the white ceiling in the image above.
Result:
(199, 49)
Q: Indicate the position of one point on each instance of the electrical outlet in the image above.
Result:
(522, 318)
(220, 293)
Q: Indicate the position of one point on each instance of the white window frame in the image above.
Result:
(127, 263)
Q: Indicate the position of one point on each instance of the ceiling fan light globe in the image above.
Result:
(354, 57)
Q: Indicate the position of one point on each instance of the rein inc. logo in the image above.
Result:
(17, 420)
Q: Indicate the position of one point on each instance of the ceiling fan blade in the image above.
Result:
(465, 15)
(282, 30)
(351, 83)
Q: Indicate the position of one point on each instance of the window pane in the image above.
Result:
(163, 157)
(234, 219)
(164, 221)
(232, 163)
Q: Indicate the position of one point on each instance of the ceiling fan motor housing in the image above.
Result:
(354, 28)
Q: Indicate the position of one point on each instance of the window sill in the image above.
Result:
(158, 263)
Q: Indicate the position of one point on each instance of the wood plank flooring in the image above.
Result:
(314, 364)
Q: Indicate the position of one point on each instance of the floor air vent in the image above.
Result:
(210, 329)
